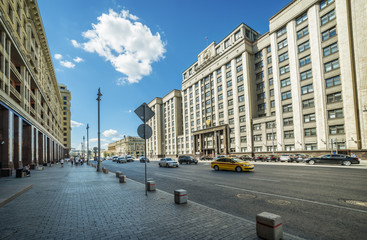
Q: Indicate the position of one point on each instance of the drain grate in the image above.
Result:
(246, 196)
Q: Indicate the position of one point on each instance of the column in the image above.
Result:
(27, 142)
(36, 146)
(6, 138)
(248, 92)
(235, 106)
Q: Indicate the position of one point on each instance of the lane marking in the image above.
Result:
(293, 198)
(163, 175)
(263, 179)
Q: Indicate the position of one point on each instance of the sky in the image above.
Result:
(134, 51)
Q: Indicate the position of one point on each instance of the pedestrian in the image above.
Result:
(27, 170)
(72, 162)
(62, 162)
(81, 162)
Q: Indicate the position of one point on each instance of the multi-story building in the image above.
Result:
(30, 102)
(299, 87)
(66, 119)
(166, 125)
(133, 146)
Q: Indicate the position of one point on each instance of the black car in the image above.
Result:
(258, 158)
(187, 160)
(333, 159)
(245, 158)
(206, 158)
(270, 158)
(142, 159)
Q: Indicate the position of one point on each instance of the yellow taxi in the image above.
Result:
(231, 163)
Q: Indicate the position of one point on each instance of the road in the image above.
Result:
(315, 202)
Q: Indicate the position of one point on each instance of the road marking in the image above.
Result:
(293, 198)
(163, 175)
(263, 179)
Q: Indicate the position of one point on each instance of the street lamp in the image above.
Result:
(99, 131)
(272, 136)
(87, 143)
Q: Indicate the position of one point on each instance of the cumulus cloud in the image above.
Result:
(78, 59)
(76, 124)
(67, 64)
(127, 44)
(96, 140)
(116, 139)
(58, 56)
(110, 133)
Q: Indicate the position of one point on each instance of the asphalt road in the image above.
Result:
(315, 202)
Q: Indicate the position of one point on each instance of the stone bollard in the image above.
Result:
(40, 168)
(150, 186)
(269, 226)
(180, 196)
(118, 174)
(122, 178)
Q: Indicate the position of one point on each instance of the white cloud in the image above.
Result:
(58, 56)
(67, 64)
(96, 140)
(110, 133)
(115, 139)
(128, 45)
(76, 124)
(78, 59)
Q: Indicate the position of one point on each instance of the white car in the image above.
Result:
(167, 162)
(286, 158)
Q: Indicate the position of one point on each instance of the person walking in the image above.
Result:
(62, 162)
(72, 161)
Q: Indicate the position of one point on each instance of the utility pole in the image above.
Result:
(83, 148)
(99, 131)
(87, 143)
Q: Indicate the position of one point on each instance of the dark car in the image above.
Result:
(187, 160)
(333, 159)
(206, 158)
(270, 158)
(301, 157)
(142, 159)
(245, 158)
(258, 158)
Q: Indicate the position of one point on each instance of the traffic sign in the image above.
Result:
(144, 134)
(144, 112)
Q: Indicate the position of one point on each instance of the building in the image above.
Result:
(299, 87)
(166, 125)
(30, 101)
(133, 146)
(66, 119)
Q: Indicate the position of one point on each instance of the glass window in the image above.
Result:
(337, 129)
(334, 97)
(306, 75)
(283, 57)
(308, 103)
(268, 49)
(269, 59)
(270, 70)
(289, 134)
(287, 108)
(288, 121)
(241, 98)
(303, 32)
(282, 44)
(304, 46)
(335, 113)
(305, 60)
(240, 88)
(281, 31)
(284, 69)
(286, 95)
(328, 17)
(331, 65)
(309, 117)
(328, 34)
(229, 93)
(285, 82)
(237, 35)
(310, 132)
(228, 74)
(307, 89)
(325, 3)
(333, 81)
(240, 78)
(301, 18)
(333, 48)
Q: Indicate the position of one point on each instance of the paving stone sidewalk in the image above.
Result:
(79, 203)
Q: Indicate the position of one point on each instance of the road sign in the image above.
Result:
(144, 112)
(148, 131)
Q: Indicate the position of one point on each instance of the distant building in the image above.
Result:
(66, 118)
(133, 146)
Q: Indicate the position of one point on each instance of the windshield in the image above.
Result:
(237, 160)
(169, 159)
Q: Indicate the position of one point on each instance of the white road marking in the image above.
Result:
(263, 179)
(163, 175)
(293, 198)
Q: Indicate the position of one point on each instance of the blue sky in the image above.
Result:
(134, 50)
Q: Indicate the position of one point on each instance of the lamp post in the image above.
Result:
(99, 131)
(272, 136)
(83, 148)
(87, 143)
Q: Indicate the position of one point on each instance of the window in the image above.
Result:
(271, 82)
(305, 60)
(282, 44)
(289, 147)
(237, 35)
(284, 69)
(239, 68)
(241, 108)
(231, 121)
(306, 75)
(331, 65)
(268, 49)
(270, 125)
(288, 121)
(335, 113)
(258, 55)
(270, 70)
(230, 112)
(272, 103)
(303, 32)
(309, 118)
(229, 93)
(219, 88)
(258, 149)
(229, 83)
(228, 65)
(304, 46)
(221, 115)
(333, 81)
(240, 88)
(240, 78)
(261, 107)
(243, 129)
(230, 102)
(310, 132)
(271, 136)
(219, 79)
(257, 126)
(334, 97)
(308, 103)
(242, 119)
(286, 95)
(271, 92)
(269, 59)
(337, 129)
(283, 57)
(301, 18)
(259, 65)
(239, 59)
(259, 75)
(220, 105)
(243, 139)
(307, 89)
(257, 138)
(287, 108)
(220, 97)
(285, 82)
(333, 48)
(228, 74)
(260, 96)
(288, 134)
(281, 31)
(325, 3)
(226, 43)
(328, 34)
(328, 17)
(241, 98)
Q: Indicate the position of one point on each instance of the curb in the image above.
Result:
(15, 195)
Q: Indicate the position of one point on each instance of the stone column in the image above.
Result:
(18, 139)
(6, 138)
(27, 143)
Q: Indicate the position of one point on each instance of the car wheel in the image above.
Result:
(216, 168)
(311, 162)
(347, 163)
(196, 162)
(160, 165)
(238, 169)
(167, 165)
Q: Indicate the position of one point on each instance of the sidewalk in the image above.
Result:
(79, 203)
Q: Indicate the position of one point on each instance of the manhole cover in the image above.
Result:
(246, 196)
(278, 202)
(355, 202)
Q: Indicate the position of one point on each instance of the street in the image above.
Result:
(315, 202)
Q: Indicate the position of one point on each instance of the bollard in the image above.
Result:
(122, 178)
(118, 174)
(180, 196)
(150, 186)
(269, 226)
(40, 168)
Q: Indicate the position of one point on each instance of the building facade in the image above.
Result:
(133, 146)
(299, 87)
(30, 101)
(66, 119)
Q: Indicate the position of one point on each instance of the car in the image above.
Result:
(115, 158)
(220, 156)
(129, 158)
(206, 158)
(167, 162)
(231, 163)
(258, 158)
(300, 157)
(187, 160)
(245, 158)
(142, 159)
(270, 158)
(333, 159)
(121, 160)
(286, 158)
